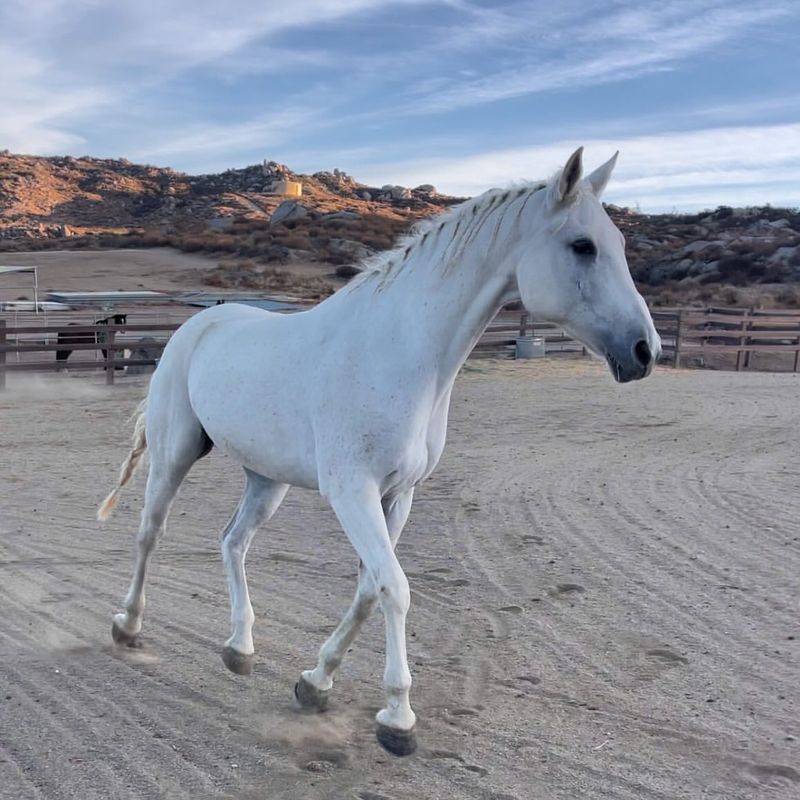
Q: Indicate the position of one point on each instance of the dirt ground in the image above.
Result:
(605, 605)
(157, 269)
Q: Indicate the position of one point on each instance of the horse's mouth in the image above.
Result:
(615, 367)
(625, 374)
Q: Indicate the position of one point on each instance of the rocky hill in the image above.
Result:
(732, 255)
(745, 255)
(59, 197)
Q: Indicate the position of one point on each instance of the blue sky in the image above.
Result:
(701, 98)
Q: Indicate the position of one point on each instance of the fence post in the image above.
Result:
(678, 331)
(3, 355)
(749, 353)
(523, 324)
(110, 354)
(742, 343)
(797, 354)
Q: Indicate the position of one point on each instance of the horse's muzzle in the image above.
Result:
(635, 362)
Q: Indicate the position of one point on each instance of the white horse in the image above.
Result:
(351, 397)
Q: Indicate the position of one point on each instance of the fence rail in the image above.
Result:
(692, 332)
(35, 339)
(684, 333)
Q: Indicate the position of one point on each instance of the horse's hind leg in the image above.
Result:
(172, 453)
(162, 485)
(314, 685)
(259, 502)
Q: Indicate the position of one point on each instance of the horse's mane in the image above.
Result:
(464, 220)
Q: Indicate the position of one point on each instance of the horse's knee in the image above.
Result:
(393, 591)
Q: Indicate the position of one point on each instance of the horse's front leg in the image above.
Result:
(361, 514)
(313, 687)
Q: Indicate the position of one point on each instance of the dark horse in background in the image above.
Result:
(66, 338)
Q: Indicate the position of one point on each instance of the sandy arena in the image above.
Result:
(605, 605)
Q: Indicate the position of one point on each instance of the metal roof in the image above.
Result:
(108, 298)
(3, 270)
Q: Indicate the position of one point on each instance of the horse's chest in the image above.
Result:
(423, 451)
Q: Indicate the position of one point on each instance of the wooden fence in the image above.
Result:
(500, 337)
(33, 340)
(684, 333)
(691, 332)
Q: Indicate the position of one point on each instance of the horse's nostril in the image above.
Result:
(641, 352)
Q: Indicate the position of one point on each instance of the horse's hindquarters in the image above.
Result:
(246, 390)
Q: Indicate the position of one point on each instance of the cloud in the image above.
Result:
(203, 85)
(586, 50)
(657, 171)
(202, 140)
(69, 65)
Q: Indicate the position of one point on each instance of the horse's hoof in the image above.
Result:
(237, 662)
(395, 741)
(309, 696)
(123, 638)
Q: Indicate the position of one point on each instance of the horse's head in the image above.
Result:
(575, 273)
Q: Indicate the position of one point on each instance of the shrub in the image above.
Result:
(739, 270)
(730, 296)
(347, 271)
(788, 297)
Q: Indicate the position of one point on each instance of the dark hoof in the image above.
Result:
(309, 696)
(395, 741)
(122, 638)
(237, 662)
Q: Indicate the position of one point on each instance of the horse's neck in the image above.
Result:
(442, 312)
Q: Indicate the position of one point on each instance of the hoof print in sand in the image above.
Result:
(777, 775)
(447, 754)
(567, 589)
(666, 656)
(326, 762)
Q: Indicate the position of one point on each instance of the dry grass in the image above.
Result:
(248, 274)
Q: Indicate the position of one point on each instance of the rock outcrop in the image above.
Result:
(62, 200)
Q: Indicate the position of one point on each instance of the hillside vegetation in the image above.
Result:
(744, 256)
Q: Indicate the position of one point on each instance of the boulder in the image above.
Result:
(783, 254)
(347, 248)
(339, 215)
(288, 210)
(219, 223)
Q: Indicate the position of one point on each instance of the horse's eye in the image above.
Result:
(584, 247)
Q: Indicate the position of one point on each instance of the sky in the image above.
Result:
(700, 97)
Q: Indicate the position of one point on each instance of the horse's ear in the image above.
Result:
(599, 178)
(570, 177)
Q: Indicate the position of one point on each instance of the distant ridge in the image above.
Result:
(739, 256)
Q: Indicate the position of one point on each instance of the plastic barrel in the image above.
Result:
(529, 347)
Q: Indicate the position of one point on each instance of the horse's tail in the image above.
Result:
(138, 446)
